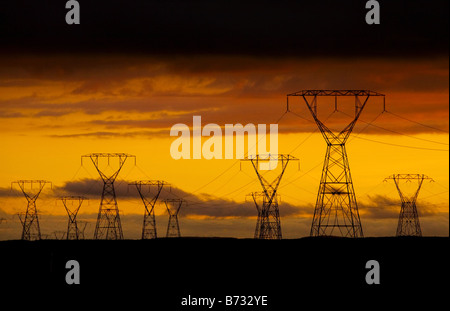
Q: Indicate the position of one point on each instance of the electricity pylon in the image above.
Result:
(30, 220)
(268, 225)
(73, 233)
(149, 226)
(173, 207)
(408, 221)
(108, 224)
(336, 207)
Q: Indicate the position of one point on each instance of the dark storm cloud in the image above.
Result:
(7, 114)
(383, 207)
(92, 188)
(146, 134)
(263, 27)
(10, 192)
(132, 86)
(197, 204)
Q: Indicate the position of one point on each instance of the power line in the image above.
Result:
(215, 178)
(431, 127)
(368, 124)
(311, 134)
(403, 146)
(230, 179)
(301, 117)
(398, 133)
(304, 141)
(306, 173)
(279, 119)
(264, 136)
(435, 194)
(226, 170)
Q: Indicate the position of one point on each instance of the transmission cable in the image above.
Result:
(431, 127)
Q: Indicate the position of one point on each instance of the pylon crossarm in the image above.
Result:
(335, 93)
(328, 134)
(72, 212)
(408, 178)
(22, 183)
(95, 157)
(267, 186)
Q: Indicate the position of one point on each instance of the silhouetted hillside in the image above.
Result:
(287, 271)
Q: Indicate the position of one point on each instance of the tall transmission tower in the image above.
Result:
(408, 221)
(108, 224)
(149, 200)
(268, 225)
(30, 220)
(336, 210)
(173, 207)
(72, 208)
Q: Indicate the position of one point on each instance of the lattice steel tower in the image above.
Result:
(173, 207)
(408, 221)
(149, 200)
(72, 208)
(30, 221)
(268, 225)
(108, 224)
(336, 209)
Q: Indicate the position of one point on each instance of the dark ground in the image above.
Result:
(326, 272)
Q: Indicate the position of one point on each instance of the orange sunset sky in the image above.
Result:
(52, 112)
(122, 78)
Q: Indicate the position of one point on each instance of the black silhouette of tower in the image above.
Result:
(149, 199)
(72, 208)
(30, 220)
(268, 224)
(336, 208)
(173, 207)
(408, 221)
(108, 224)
